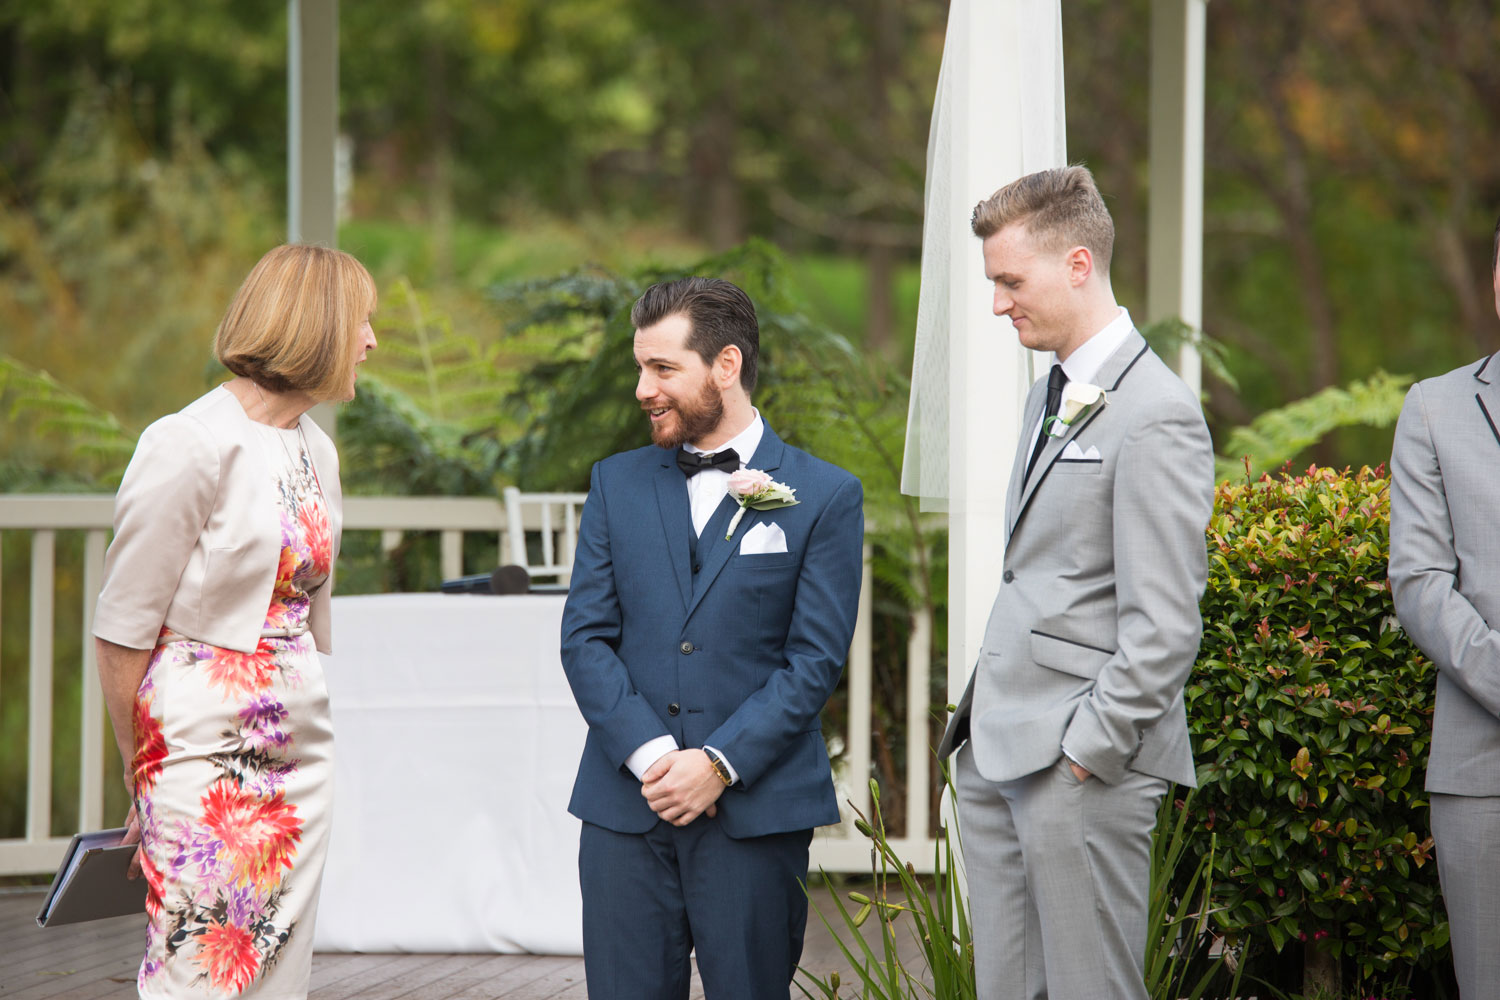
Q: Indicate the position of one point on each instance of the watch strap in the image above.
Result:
(718, 764)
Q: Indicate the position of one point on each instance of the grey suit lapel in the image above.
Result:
(1036, 402)
(1488, 396)
(1109, 377)
(676, 521)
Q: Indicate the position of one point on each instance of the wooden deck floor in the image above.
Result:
(98, 960)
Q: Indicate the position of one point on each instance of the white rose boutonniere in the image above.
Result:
(1078, 399)
(754, 489)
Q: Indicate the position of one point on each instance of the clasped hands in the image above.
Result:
(681, 786)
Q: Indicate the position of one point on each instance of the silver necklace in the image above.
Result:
(304, 481)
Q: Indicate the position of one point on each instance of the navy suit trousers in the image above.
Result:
(648, 897)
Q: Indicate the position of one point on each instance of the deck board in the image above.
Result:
(98, 961)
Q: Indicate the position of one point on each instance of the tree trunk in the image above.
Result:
(440, 161)
(1320, 972)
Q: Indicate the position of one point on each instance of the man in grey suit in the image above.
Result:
(1445, 576)
(1074, 716)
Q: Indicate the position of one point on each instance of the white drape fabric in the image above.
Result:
(458, 739)
(998, 115)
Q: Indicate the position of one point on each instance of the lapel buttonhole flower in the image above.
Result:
(753, 489)
(1078, 399)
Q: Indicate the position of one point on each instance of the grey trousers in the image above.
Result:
(1059, 873)
(1466, 833)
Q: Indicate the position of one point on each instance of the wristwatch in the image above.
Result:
(719, 767)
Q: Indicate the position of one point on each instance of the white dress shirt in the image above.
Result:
(705, 491)
(1084, 363)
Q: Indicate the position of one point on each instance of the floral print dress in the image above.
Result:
(234, 779)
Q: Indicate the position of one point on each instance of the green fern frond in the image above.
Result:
(1276, 436)
(41, 408)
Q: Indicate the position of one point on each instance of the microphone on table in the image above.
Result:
(503, 580)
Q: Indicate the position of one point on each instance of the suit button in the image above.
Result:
(1009, 577)
(673, 708)
(686, 646)
(696, 568)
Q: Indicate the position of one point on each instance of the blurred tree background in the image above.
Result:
(518, 168)
(1351, 184)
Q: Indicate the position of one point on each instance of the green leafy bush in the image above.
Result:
(1311, 713)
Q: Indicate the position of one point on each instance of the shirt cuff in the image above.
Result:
(734, 775)
(648, 753)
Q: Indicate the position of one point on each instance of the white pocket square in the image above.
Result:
(763, 539)
(1076, 454)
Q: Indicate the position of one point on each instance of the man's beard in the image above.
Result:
(694, 421)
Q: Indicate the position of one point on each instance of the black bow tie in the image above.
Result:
(691, 464)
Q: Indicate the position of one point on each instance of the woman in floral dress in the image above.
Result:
(214, 606)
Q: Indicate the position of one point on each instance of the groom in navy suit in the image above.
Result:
(701, 655)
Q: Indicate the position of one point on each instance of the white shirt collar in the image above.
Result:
(1084, 363)
(744, 443)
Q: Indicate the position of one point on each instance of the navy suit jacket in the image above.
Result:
(740, 655)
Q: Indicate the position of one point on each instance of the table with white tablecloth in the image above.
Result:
(456, 743)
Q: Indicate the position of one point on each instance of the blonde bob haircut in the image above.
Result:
(294, 322)
(1060, 208)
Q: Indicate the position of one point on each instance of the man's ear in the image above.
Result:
(726, 370)
(1080, 261)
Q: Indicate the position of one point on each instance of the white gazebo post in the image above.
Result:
(312, 68)
(1175, 256)
(998, 115)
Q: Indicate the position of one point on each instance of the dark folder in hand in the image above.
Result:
(90, 884)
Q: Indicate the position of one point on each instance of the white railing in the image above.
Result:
(554, 516)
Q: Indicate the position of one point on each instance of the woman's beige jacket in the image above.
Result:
(197, 535)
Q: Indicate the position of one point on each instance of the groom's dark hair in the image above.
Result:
(719, 313)
(1060, 208)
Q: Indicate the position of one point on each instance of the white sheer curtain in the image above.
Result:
(998, 115)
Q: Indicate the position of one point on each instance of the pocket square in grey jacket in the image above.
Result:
(1073, 453)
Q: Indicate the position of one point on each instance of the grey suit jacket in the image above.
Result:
(1445, 564)
(1096, 625)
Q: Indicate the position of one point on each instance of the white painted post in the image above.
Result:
(1175, 254)
(451, 553)
(312, 120)
(998, 116)
(861, 671)
(1007, 121)
(312, 68)
(39, 721)
(918, 724)
(92, 744)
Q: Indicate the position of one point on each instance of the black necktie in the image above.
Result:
(1056, 379)
(691, 463)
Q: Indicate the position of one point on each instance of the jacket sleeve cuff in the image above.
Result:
(1088, 744)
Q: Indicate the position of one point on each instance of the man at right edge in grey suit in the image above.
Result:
(1074, 716)
(1445, 576)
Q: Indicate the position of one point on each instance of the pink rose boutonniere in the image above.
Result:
(754, 489)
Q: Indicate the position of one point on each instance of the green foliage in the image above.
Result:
(1276, 436)
(96, 445)
(115, 271)
(1311, 714)
(390, 446)
(1168, 337)
(1179, 959)
(1179, 962)
(577, 403)
(939, 923)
